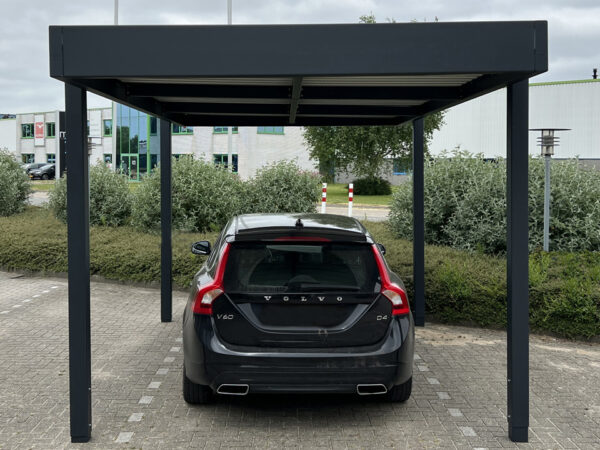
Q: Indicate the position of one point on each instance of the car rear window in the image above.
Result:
(300, 267)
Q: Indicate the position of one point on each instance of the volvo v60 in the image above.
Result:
(296, 303)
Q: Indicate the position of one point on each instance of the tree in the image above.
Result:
(364, 150)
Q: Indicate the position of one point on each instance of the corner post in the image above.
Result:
(78, 240)
(517, 160)
(418, 222)
(166, 259)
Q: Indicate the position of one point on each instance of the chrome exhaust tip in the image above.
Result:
(370, 389)
(233, 389)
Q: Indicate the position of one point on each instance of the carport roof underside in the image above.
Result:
(352, 74)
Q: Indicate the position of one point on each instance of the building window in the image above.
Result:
(224, 130)
(180, 129)
(28, 158)
(269, 130)
(222, 159)
(153, 126)
(50, 158)
(107, 127)
(50, 129)
(27, 131)
(402, 166)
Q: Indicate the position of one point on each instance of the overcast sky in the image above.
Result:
(574, 30)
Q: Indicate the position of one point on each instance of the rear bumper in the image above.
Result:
(211, 362)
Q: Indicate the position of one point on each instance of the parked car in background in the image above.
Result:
(298, 303)
(33, 166)
(46, 172)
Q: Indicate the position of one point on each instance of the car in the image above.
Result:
(296, 303)
(32, 166)
(46, 172)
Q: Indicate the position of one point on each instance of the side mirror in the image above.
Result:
(201, 248)
(381, 248)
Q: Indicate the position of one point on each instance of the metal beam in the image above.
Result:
(517, 160)
(418, 222)
(78, 239)
(296, 91)
(209, 120)
(166, 255)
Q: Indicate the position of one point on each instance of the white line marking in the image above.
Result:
(416, 357)
(169, 359)
(53, 287)
(146, 400)
(154, 385)
(4, 312)
(433, 381)
(162, 371)
(455, 412)
(423, 368)
(135, 417)
(175, 349)
(36, 295)
(468, 431)
(179, 340)
(45, 292)
(124, 437)
(27, 300)
(17, 306)
(443, 395)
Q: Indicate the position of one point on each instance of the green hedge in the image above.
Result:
(461, 287)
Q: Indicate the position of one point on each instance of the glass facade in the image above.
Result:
(50, 129)
(224, 130)
(27, 131)
(223, 159)
(137, 147)
(269, 130)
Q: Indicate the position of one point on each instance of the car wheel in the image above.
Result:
(195, 394)
(45, 176)
(400, 393)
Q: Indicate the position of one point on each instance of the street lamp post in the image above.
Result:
(229, 128)
(547, 141)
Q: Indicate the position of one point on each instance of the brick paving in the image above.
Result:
(458, 401)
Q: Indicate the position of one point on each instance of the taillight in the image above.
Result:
(208, 293)
(394, 293)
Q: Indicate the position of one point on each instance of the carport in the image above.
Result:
(297, 75)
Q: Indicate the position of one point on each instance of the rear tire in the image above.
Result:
(45, 176)
(400, 393)
(195, 394)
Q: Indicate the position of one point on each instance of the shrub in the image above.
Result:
(14, 185)
(204, 197)
(110, 200)
(372, 186)
(282, 187)
(465, 204)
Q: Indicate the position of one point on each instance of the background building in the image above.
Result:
(479, 125)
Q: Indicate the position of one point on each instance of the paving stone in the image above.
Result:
(133, 356)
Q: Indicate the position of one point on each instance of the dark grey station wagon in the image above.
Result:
(296, 303)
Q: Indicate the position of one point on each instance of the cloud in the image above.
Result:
(25, 85)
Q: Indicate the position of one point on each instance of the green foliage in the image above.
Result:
(364, 151)
(372, 186)
(282, 187)
(14, 185)
(110, 200)
(470, 288)
(460, 287)
(465, 204)
(204, 197)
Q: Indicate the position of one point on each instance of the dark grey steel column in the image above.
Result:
(166, 257)
(418, 223)
(517, 159)
(78, 238)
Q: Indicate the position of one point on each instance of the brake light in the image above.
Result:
(208, 293)
(394, 293)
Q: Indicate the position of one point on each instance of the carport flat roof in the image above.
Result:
(282, 75)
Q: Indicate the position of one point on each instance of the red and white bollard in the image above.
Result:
(324, 198)
(350, 197)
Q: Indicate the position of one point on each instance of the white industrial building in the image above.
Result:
(479, 126)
